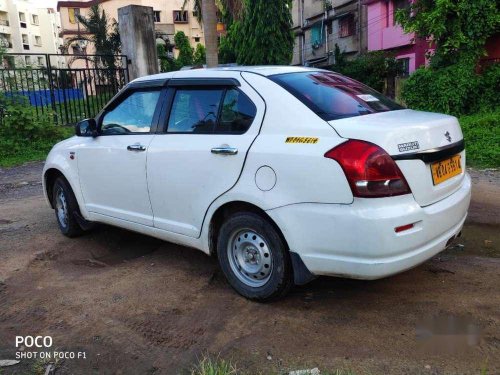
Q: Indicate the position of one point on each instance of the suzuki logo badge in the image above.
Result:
(448, 136)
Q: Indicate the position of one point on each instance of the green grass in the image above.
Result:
(214, 366)
(482, 139)
(12, 154)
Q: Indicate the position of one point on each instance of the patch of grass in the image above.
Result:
(14, 153)
(482, 139)
(40, 366)
(214, 366)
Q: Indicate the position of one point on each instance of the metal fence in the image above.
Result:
(68, 87)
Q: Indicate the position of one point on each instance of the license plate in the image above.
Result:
(445, 169)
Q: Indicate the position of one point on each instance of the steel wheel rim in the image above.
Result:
(61, 208)
(250, 257)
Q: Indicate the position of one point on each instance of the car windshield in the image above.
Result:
(333, 96)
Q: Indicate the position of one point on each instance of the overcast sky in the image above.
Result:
(45, 3)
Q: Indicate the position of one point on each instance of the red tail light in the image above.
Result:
(371, 172)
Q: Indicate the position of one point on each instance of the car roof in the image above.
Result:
(265, 70)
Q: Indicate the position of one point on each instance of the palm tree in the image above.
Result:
(102, 33)
(209, 12)
(207, 15)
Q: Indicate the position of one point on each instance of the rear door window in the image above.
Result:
(237, 113)
(195, 110)
(333, 96)
(210, 111)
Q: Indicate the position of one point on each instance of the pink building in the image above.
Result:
(385, 34)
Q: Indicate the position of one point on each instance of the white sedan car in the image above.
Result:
(283, 173)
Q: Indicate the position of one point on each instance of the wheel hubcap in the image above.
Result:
(61, 209)
(250, 257)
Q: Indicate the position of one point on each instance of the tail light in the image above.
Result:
(371, 172)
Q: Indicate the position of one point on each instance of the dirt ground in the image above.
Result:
(137, 305)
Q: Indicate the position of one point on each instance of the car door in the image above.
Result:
(112, 167)
(200, 154)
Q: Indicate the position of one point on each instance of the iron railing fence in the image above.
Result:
(67, 86)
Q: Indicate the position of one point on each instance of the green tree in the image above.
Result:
(185, 57)
(459, 28)
(264, 36)
(199, 57)
(102, 33)
(206, 11)
(227, 49)
(167, 63)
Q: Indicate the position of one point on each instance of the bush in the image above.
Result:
(24, 134)
(456, 89)
(200, 55)
(185, 57)
(482, 138)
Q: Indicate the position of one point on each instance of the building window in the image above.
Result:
(197, 39)
(405, 66)
(34, 19)
(156, 15)
(346, 26)
(38, 40)
(180, 16)
(26, 42)
(5, 41)
(40, 61)
(73, 13)
(329, 27)
(22, 20)
(27, 60)
(195, 13)
(317, 35)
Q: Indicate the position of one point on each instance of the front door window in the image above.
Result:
(133, 115)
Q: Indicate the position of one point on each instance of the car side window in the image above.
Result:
(194, 111)
(237, 113)
(133, 115)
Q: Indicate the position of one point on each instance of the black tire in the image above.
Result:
(70, 226)
(280, 279)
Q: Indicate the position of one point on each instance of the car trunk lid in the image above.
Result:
(416, 140)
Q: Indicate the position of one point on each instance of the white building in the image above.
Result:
(25, 28)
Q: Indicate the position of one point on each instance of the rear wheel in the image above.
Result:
(65, 206)
(253, 257)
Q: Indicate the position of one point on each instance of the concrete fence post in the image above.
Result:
(137, 34)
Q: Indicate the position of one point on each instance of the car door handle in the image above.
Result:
(225, 150)
(136, 147)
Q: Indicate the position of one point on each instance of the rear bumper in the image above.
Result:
(359, 240)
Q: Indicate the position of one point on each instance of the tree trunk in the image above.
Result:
(209, 11)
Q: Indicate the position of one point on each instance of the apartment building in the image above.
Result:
(385, 34)
(320, 25)
(25, 28)
(169, 17)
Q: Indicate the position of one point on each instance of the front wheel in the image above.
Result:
(65, 206)
(253, 257)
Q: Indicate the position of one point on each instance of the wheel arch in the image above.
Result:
(49, 177)
(230, 208)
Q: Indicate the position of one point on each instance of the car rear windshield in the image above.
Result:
(333, 96)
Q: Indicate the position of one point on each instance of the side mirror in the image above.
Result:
(86, 128)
